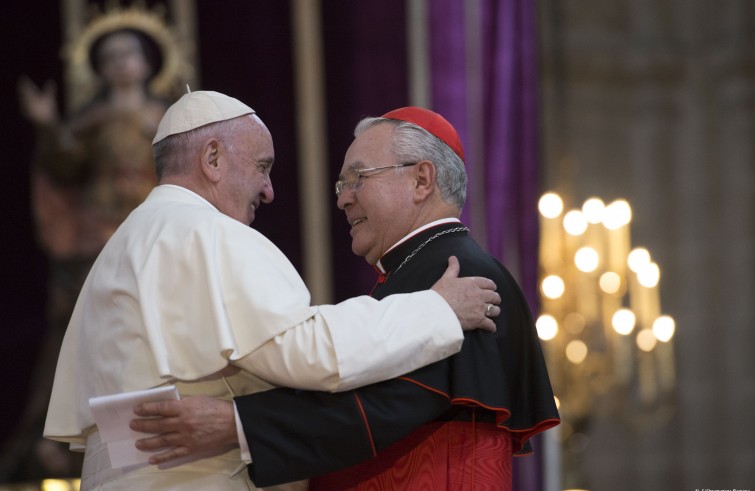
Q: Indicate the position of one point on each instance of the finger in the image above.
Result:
(172, 454)
(158, 408)
(26, 82)
(149, 425)
(492, 298)
(493, 311)
(488, 325)
(485, 283)
(153, 443)
(452, 271)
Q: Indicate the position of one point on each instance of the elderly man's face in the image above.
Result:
(380, 206)
(247, 184)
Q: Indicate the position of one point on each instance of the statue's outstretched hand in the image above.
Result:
(38, 105)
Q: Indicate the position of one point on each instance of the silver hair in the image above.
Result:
(172, 154)
(411, 143)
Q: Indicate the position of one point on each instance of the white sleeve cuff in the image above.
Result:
(246, 455)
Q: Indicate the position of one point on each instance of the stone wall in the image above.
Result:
(654, 101)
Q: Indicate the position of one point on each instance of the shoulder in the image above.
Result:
(192, 233)
(473, 259)
(476, 261)
(174, 210)
(154, 111)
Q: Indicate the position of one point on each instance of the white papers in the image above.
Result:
(112, 415)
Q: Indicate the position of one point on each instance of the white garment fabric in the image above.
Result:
(181, 290)
(225, 471)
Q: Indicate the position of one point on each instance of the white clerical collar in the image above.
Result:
(379, 265)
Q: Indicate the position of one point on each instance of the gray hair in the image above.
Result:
(172, 155)
(412, 143)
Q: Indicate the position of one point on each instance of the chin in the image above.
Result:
(360, 251)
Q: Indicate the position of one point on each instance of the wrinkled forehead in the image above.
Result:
(254, 137)
(253, 125)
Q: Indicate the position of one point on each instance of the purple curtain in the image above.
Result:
(485, 79)
(366, 63)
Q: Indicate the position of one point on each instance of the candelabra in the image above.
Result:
(608, 347)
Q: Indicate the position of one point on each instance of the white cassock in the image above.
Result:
(182, 294)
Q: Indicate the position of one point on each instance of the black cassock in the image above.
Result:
(497, 379)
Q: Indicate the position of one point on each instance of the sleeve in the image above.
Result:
(359, 342)
(254, 311)
(294, 435)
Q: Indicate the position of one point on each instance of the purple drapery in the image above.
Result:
(495, 51)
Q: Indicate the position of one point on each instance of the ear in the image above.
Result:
(425, 180)
(211, 160)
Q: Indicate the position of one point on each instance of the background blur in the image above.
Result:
(648, 100)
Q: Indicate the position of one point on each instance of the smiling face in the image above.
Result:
(247, 182)
(380, 209)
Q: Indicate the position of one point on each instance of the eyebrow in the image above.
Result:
(352, 166)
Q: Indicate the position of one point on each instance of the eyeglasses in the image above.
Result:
(353, 178)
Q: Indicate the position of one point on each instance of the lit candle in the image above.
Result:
(551, 243)
(616, 219)
(618, 249)
(663, 328)
(644, 295)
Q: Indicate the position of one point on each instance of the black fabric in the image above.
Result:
(503, 371)
(295, 434)
(500, 376)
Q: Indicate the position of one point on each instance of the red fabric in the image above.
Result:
(451, 455)
(382, 277)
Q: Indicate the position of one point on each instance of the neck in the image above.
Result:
(458, 228)
(435, 212)
(194, 184)
(127, 97)
(422, 215)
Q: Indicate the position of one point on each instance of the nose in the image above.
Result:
(267, 192)
(345, 199)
